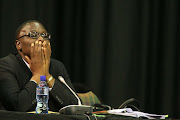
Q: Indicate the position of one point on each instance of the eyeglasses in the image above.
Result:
(35, 35)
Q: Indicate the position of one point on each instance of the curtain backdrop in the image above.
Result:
(121, 49)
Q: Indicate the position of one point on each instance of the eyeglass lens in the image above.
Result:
(35, 35)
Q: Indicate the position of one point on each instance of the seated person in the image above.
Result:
(20, 73)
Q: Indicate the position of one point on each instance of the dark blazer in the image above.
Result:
(18, 93)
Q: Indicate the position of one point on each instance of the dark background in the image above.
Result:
(119, 48)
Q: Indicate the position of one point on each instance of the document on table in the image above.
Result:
(131, 113)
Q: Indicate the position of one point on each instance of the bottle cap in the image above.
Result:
(43, 78)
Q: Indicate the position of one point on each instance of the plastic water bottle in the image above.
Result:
(42, 96)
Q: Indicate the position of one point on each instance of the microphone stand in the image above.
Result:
(74, 109)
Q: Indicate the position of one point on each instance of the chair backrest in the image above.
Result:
(89, 98)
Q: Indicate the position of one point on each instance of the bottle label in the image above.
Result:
(42, 91)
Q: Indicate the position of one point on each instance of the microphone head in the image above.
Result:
(61, 79)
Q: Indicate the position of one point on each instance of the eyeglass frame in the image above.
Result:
(29, 35)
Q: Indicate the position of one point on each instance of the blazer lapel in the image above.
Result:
(26, 72)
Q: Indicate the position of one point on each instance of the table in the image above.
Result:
(11, 115)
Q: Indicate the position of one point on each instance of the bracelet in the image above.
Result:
(49, 80)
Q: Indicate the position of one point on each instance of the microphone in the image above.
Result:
(63, 81)
(74, 109)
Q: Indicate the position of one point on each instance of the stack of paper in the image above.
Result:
(131, 113)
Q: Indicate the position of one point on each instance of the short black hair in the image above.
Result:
(23, 24)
